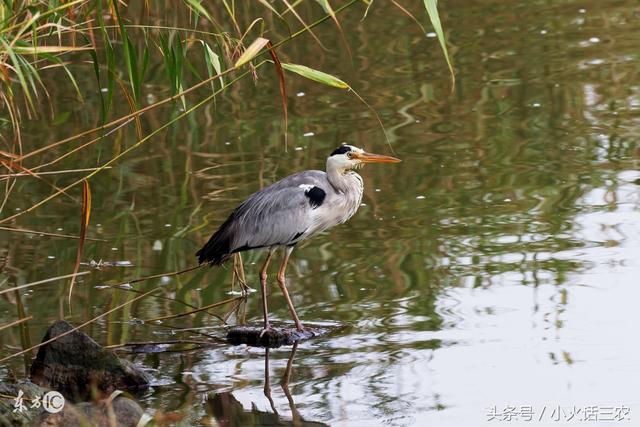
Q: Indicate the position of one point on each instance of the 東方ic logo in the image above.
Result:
(53, 402)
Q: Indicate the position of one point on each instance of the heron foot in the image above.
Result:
(268, 328)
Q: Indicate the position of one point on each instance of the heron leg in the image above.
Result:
(283, 287)
(263, 288)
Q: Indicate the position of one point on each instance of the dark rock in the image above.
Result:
(124, 411)
(272, 338)
(75, 365)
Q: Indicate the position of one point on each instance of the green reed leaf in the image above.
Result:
(315, 75)
(432, 10)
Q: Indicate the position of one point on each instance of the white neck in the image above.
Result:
(344, 180)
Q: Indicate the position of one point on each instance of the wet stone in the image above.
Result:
(75, 365)
(272, 338)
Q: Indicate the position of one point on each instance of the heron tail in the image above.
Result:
(218, 249)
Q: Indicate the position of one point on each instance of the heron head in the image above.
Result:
(347, 157)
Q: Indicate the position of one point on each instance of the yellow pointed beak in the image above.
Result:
(376, 158)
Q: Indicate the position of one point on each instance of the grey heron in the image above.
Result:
(289, 211)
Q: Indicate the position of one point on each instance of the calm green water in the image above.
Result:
(496, 266)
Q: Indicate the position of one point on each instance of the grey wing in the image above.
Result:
(277, 215)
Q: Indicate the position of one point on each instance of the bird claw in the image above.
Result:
(265, 330)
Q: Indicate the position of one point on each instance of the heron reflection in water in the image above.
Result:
(229, 411)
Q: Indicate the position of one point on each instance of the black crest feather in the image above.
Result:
(341, 150)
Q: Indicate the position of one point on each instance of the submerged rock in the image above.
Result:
(76, 365)
(272, 338)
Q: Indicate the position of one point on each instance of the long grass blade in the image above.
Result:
(377, 116)
(72, 79)
(330, 80)
(198, 310)
(59, 172)
(16, 166)
(197, 7)
(136, 72)
(283, 89)
(212, 61)
(41, 282)
(410, 15)
(45, 233)
(306, 27)
(155, 276)
(132, 106)
(15, 322)
(329, 10)
(266, 4)
(86, 214)
(158, 343)
(18, 70)
(82, 146)
(432, 10)
(315, 75)
(369, 3)
(232, 14)
(34, 50)
(96, 71)
(109, 56)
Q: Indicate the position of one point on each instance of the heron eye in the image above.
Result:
(349, 155)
